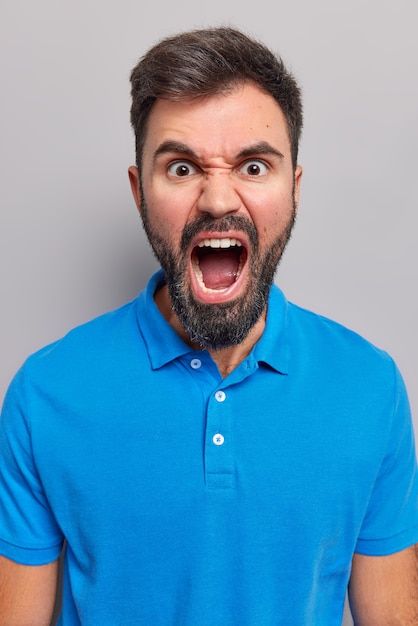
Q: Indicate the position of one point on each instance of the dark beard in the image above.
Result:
(217, 326)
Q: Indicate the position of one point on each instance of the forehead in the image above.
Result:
(219, 125)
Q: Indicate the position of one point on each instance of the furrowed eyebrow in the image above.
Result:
(174, 146)
(170, 146)
(262, 147)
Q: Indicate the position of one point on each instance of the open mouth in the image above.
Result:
(218, 265)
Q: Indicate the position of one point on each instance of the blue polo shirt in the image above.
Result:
(190, 500)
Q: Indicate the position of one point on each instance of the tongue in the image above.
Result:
(219, 269)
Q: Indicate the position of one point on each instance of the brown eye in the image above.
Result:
(181, 168)
(254, 168)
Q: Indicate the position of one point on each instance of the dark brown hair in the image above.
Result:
(206, 62)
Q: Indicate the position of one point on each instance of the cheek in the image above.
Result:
(167, 213)
(270, 212)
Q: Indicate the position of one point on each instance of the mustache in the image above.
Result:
(229, 222)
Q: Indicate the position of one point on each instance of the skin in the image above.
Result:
(217, 129)
(27, 593)
(383, 590)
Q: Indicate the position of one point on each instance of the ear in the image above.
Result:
(134, 176)
(297, 181)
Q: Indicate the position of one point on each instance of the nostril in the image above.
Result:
(219, 200)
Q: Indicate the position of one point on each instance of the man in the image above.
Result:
(213, 454)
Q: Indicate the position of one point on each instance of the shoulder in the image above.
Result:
(318, 328)
(89, 346)
(328, 344)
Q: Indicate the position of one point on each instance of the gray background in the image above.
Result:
(71, 243)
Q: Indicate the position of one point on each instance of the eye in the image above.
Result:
(254, 168)
(181, 169)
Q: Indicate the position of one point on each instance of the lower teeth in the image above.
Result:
(201, 282)
(202, 285)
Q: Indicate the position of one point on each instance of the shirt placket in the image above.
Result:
(219, 445)
(221, 412)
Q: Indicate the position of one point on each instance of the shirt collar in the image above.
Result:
(164, 344)
(273, 348)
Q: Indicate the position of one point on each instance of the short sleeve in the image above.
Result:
(391, 520)
(29, 533)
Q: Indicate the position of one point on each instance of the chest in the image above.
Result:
(162, 449)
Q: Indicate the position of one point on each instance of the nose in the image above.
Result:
(218, 196)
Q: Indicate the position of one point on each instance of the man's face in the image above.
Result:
(217, 194)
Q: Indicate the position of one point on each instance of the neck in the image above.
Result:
(226, 359)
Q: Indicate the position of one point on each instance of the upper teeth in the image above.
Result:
(226, 242)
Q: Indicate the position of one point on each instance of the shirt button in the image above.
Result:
(220, 396)
(218, 439)
(195, 363)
